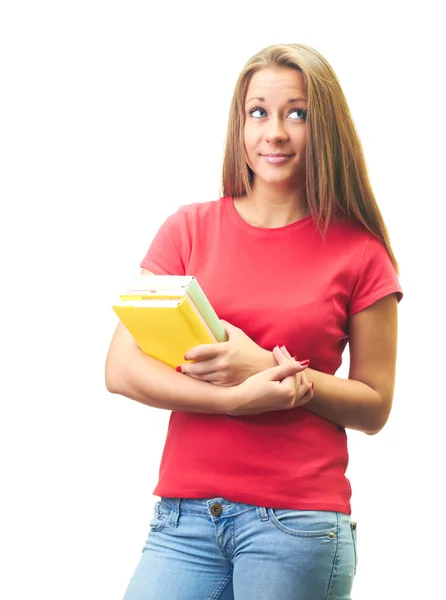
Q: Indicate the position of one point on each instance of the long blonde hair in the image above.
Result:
(337, 182)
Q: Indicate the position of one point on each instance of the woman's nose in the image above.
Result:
(276, 131)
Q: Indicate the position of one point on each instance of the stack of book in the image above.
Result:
(167, 315)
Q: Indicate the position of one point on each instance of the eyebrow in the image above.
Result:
(290, 101)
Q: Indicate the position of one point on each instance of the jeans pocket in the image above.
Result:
(159, 519)
(354, 527)
(304, 523)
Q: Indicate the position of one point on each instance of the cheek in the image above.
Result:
(248, 157)
(251, 142)
(301, 139)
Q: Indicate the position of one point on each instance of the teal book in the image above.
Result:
(165, 287)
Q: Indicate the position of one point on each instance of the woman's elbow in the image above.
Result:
(380, 416)
(110, 383)
(113, 376)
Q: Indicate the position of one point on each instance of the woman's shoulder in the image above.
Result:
(349, 232)
(199, 210)
(354, 244)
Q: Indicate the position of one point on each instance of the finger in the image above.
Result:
(305, 384)
(285, 351)
(211, 377)
(229, 328)
(282, 371)
(279, 355)
(303, 379)
(204, 351)
(200, 368)
(282, 356)
(305, 362)
(310, 391)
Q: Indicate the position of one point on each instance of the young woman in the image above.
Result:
(296, 259)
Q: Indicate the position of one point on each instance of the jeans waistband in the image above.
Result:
(221, 508)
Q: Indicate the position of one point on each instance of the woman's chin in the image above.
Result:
(279, 181)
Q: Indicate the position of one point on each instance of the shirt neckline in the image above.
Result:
(264, 231)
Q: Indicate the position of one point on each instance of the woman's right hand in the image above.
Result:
(278, 388)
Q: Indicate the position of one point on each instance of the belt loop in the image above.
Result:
(175, 512)
(262, 513)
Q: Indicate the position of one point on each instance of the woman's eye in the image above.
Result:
(298, 114)
(258, 113)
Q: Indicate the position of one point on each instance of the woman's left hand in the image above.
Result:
(227, 363)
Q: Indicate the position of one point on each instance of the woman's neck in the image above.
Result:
(270, 207)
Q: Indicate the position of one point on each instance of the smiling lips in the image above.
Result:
(277, 158)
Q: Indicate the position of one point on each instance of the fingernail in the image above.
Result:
(179, 369)
(304, 363)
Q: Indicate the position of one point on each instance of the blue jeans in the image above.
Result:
(215, 549)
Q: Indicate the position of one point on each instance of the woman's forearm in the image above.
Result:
(345, 402)
(348, 403)
(151, 382)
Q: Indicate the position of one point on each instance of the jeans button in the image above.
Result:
(216, 509)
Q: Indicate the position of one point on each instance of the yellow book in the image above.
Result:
(164, 328)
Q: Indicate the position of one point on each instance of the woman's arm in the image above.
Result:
(228, 363)
(363, 401)
(131, 373)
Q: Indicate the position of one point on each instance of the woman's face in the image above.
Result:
(275, 125)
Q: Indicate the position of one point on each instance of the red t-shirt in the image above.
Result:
(280, 286)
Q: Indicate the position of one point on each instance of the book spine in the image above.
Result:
(195, 322)
(200, 317)
(208, 313)
(152, 296)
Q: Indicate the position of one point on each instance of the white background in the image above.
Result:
(112, 115)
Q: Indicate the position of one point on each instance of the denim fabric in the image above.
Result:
(211, 549)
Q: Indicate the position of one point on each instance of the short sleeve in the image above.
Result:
(168, 254)
(376, 278)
